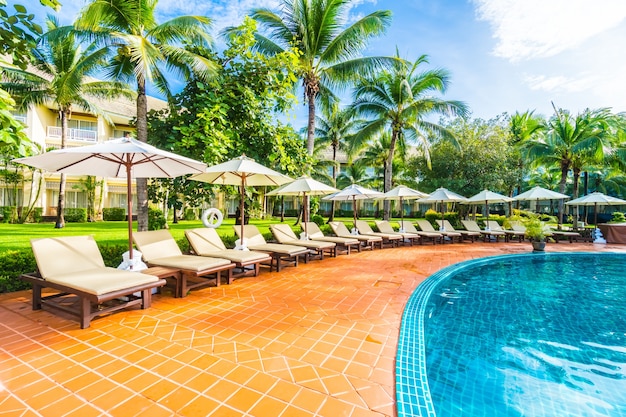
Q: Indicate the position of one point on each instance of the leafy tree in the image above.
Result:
(143, 49)
(329, 52)
(400, 101)
(570, 140)
(235, 112)
(62, 76)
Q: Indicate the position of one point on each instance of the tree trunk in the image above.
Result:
(562, 183)
(389, 172)
(576, 173)
(310, 136)
(60, 221)
(142, 136)
(332, 203)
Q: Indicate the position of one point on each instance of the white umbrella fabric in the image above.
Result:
(401, 193)
(242, 171)
(118, 158)
(354, 192)
(596, 199)
(488, 197)
(539, 193)
(443, 195)
(304, 186)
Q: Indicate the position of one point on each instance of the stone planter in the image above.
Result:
(538, 246)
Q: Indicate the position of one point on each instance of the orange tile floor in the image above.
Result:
(316, 340)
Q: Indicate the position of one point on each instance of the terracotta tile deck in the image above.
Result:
(316, 340)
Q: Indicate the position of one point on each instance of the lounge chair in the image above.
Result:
(427, 227)
(364, 229)
(280, 253)
(435, 237)
(487, 234)
(285, 235)
(467, 234)
(571, 236)
(73, 266)
(344, 244)
(510, 234)
(206, 242)
(368, 242)
(159, 248)
(407, 237)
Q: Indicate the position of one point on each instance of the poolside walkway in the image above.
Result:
(316, 340)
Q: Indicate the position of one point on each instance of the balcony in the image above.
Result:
(77, 135)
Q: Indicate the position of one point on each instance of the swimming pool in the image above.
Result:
(516, 335)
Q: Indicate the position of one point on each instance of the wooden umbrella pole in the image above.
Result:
(129, 205)
(241, 207)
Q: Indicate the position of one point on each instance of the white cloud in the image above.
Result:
(541, 28)
(560, 83)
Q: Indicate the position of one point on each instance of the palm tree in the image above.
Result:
(335, 130)
(62, 75)
(146, 51)
(399, 101)
(329, 52)
(571, 140)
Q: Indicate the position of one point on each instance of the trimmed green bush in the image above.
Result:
(113, 214)
(9, 214)
(156, 219)
(618, 217)
(75, 215)
(317, 219)
(12, 265)
(36, 216)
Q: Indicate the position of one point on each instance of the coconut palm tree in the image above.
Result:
(570, 140)
(63, 75)
(400, 101)
(329, 52)
(145, 51)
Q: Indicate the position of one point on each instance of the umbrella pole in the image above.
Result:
(241, 207)
(354, 210)
(306, 214)
(401, 212)
(129, 206)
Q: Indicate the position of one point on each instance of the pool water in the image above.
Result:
(518, 335)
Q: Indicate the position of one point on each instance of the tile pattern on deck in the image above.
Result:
(316, 340)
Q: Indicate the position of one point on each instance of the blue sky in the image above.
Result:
(504, 55)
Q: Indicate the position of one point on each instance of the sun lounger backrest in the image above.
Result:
(204, 240)
(471, 225)
(339, 228)
(251, 234)
(494, 225)
(363, 227)
(425, 226)
(313, 230)
(155, 244)
(384, 226)
(61, 255)
(283, 233)
(518, 227)
(447, 225)
(408, 226)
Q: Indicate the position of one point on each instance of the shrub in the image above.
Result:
(36, 216)
(317, 219)
(75, 215)
(9, 214)
(112, 254)
(618, 217)
(229, 240)
(13, 264)
(113, 214)
(190, 214)
(156, 219)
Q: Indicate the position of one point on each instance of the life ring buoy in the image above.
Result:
(212, 218)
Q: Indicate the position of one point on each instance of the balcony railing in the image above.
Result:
(74, 134)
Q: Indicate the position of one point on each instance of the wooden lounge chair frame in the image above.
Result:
(407, 237)
(510, 234)
(82, 304)
(286, 236)
(367, 242)
(343, 244)
(365, 229)
(282, 255)
(200, 238)
(487, 234)
(435, 237)
(426, 226)
(467, 234)
(189, 278)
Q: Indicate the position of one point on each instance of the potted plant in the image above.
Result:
(536, 233)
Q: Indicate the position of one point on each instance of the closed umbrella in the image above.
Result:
(488, 197)
(443, 195)
(402, 193)
(124, 158)
(242, 171)
(304, 186)
(354, 192)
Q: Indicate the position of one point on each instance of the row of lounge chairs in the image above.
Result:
(73, 266)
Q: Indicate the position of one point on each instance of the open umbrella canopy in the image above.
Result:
(353, 192)
(488, 197)
(304, 186)
(540, 193)
(401, 193)
(122, 158)
(443, 195)
(241, 171)
(597, 198)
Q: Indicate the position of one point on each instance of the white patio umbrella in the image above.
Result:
(401, 193)
(443, 195)
(305, 186)
(487, 197)
(242, 171)
(538, 193)
(596, 199)
(122, 158)
(354, 192)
